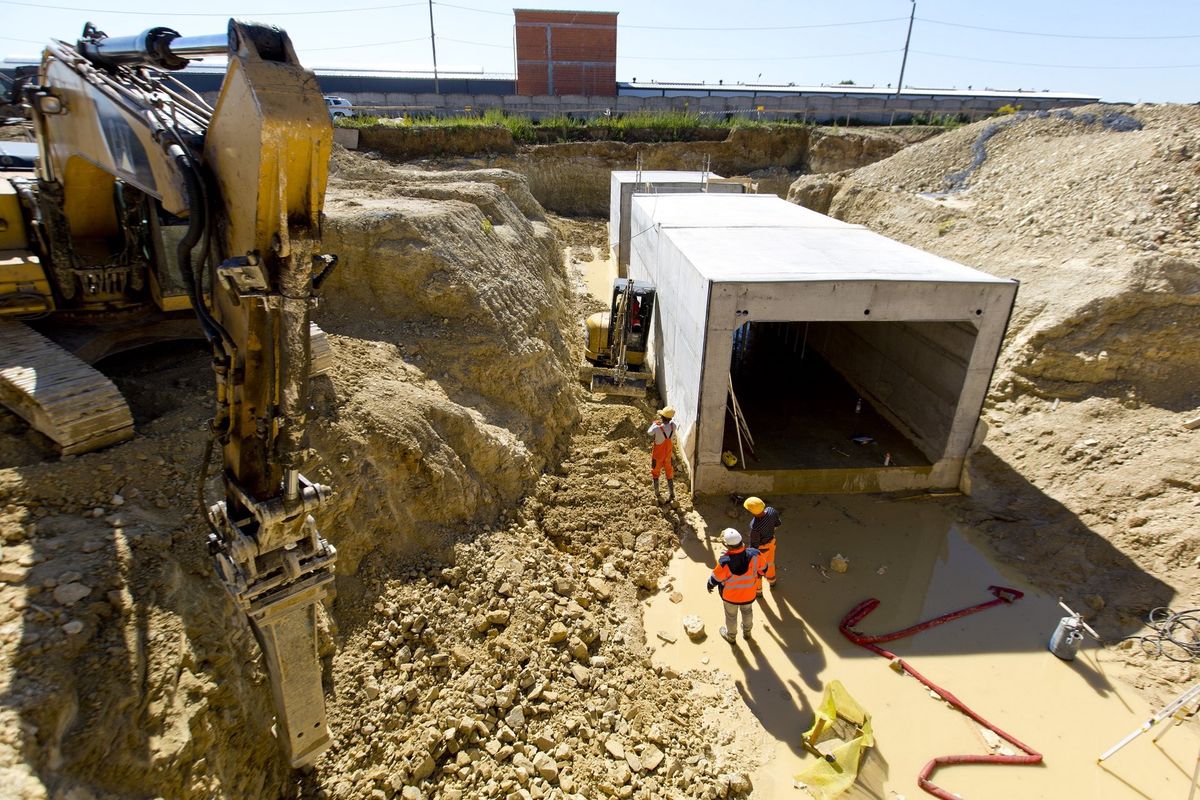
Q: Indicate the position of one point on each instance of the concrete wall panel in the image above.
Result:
(624, 185)
(679, 332)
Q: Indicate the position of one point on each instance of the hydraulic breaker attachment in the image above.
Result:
(278, 587)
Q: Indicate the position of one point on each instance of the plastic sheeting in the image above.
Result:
(837, 715)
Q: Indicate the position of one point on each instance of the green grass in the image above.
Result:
(947, 121)
(655, 125)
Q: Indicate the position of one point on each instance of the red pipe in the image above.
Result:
(1002, 595)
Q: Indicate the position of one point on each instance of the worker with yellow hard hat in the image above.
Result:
(663, 432)
(763, 522)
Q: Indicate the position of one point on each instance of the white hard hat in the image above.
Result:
(732, 537)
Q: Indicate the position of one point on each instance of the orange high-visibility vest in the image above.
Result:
(738, 589)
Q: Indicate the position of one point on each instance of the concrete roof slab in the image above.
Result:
(731, 238)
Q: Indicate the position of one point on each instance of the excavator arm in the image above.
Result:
(267, 151)
(248, 176)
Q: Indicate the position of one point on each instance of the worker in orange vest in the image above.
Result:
(736, 573)
(663, 431)
(762, 536)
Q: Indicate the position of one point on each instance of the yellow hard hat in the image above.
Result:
(666, 412)
(754, 505)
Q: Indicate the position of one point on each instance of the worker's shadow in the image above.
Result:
(702, 546)
(783, 709)
(793, 636)
(779, 705)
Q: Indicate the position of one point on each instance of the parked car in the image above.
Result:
(339, 106)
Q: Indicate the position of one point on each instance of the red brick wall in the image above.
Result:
(582, 57)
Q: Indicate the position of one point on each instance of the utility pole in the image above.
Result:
(907, 39)
(433, 44)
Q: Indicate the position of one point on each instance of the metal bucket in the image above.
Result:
(1067, 638)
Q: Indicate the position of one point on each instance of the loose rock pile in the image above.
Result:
(518, 668)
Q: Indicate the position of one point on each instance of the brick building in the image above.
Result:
(566, 52)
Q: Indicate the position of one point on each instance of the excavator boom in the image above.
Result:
(144, 193)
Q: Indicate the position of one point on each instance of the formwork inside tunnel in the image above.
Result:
(858, 363)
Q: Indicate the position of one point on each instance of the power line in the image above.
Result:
(195, 14)
(764, 58)
(477, 44)
(718, 28)
(25, 41)
(1054, 35)
(1058, 66)
(477, 10)
(355, 46)
(767, 27)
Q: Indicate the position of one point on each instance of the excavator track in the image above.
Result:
(59, 395)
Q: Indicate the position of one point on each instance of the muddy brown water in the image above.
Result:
(913, 557)
(597, 273)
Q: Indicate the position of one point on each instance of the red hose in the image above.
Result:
(1002, 595)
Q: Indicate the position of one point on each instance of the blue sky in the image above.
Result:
(1119, 51)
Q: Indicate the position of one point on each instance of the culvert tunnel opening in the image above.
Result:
(819, 395)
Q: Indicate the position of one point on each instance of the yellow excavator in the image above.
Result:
(615, 341)
(151, 212)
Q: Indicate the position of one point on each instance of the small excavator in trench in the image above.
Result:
(616, 340)
(152, 215)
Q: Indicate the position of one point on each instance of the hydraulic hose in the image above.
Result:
(1003, 595)
(197, 221)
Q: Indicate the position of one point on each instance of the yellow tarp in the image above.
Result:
(825, 779)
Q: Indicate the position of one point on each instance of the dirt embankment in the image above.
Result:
(1096, 212)
(574, 177)
(450, 304)
(495, 529)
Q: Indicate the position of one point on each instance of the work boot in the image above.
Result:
(746, 633)
(656, 488)
(670, 490)
(726, 635)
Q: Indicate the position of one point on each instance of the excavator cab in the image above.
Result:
(615, 352)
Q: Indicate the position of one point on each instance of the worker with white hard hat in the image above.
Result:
(763, 522)
(663, 431)
(736, 574)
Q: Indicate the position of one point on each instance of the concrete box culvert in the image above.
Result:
(845, 349)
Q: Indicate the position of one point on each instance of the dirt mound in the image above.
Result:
(450, 301)
(123, 667)
(1095, 211)
(516, 663)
